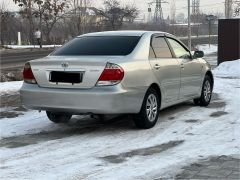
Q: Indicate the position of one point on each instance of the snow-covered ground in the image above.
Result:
(34, 148)
(10, 87)
(30, 46)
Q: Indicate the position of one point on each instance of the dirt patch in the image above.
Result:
(9, 114)
(215, 97)
(77, 126)
(190, 134)
(217, 104)
(218, 113)
(191, 121)
(13, 74)
(217, 167)
(141, 152)
(228, 77)
(10, 100)
(11, 105)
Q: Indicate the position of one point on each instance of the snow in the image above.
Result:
(30, 46)
(207, 49)
(230, 68)
(10, 87)
(75, 150)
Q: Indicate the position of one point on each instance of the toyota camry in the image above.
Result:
(117, 72)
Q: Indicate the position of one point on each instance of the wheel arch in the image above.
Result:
(209, 73)
(158, 90)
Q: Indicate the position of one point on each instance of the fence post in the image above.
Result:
(19, 39)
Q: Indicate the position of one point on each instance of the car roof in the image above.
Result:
(123, 33)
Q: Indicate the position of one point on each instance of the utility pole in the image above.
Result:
(189, 26)
(173, 15)
(228, 8)
(195, 15)
(158, 13)
(209, 18)
(149, 13)
(195, 6)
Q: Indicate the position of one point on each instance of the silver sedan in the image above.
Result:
(117, 72)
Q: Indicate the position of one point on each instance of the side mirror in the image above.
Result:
(198, 54)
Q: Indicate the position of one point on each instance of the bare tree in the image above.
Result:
(80, 15)
(173, 15)
(27, 12)
(3, 21)
(237, 9)
(114, 14)
(49, 13)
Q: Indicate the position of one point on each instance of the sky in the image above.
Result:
(206, 6)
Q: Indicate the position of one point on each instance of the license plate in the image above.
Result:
(65, 77)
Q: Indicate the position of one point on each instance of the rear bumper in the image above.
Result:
(98, 100)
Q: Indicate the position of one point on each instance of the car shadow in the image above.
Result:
(80, 125)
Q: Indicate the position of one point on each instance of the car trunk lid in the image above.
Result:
(70, 71)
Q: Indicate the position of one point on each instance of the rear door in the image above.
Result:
(191, 69)
(165, 67)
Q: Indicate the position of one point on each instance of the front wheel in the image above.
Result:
(206, 93)
(58, 117)
(148, 115)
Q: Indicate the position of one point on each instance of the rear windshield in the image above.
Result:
(99, 45)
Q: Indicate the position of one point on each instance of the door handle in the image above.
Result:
(157, 66)
(182, 66)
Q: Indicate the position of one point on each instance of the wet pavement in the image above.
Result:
(219, 167)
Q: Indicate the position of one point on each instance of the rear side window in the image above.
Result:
(99, 45)
(160, 48)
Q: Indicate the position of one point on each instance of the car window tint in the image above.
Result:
(99, 45)
(178, 49)
(161, 48)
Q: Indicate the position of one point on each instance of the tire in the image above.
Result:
(148, 115)
(206, 93)
(58, 117)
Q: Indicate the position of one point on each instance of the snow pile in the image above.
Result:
(10, 87)
(30, 46)
(207, 49)
(229, 68)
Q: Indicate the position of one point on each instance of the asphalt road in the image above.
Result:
(17, 58)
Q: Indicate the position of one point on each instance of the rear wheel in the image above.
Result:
(206, 94)
(148, 115)
(58, 117)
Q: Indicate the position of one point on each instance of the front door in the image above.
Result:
(191, 70)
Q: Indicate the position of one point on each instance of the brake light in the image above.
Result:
(28, 76)
(111, 75)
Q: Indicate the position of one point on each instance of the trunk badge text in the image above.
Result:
(64, 64)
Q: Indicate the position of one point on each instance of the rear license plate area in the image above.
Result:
(65, 77)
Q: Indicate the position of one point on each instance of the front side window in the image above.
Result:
(160, 48)
(99, 45)
(178, 49)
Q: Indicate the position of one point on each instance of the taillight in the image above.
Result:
(111, 75)
(28, 76)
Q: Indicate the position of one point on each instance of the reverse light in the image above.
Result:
(28, 76)
(111, 75)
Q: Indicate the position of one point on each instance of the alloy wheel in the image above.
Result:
(207, 91)
(151, 107)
